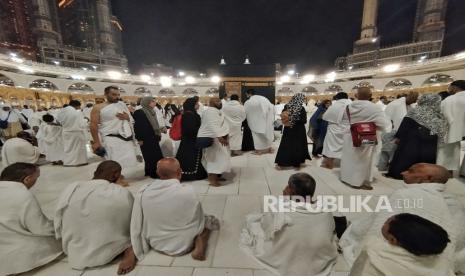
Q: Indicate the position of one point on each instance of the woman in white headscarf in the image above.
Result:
(12, 120)
(293, 149)
(148, 134)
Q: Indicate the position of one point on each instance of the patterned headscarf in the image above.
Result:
(428, 114)
(150, 114)
(294, 107)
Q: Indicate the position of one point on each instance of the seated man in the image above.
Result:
(410, 245)
(168, 217)
(301, 242)
(93, 220)
(26, 235)
(23, 148)
(425, 197)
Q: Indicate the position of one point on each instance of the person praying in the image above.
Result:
(92, 219)
(27, 236)
(22, 148)
(260, 118)
(168, 217)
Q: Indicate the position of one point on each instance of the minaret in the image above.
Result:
(45, 21)
(430, 21)
(107, 45)
(368, 38)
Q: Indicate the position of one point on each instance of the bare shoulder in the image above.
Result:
(99, 107)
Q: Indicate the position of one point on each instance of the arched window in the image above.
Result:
(190, 91)
(143, 91)
(80, 88)
(285, 91)
(363, 84)
(166, 92)
(212, 91)
(4, 80)
(310, 90)
(398, 84)
(438, 79)
(334, 88)
(43, 84)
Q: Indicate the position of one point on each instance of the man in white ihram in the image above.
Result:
(234, 113)
(260, 117)
(111, 129)
(74, 134)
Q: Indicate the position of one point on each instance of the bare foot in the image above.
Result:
(257, 152)
(128, 262)
(365, 187)
(200, 246)
(213, 179)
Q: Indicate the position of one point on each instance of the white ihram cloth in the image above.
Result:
(234, 113)
(380, 103)
(337, 127)
(93, 220)
(380, 258)
(74, 136)
(396, 111)
(36, 118)
(453, 108)
(51, 139)
(291, 244)
(19, 150)
(123, 152)
(436, 206)
(358, 164)
(167, 216)
(260, 117)
(27, 238)
(217, 158)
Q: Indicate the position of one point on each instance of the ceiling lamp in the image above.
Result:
(247, 61)
(145, 78)
(285, 79)
(190, 80)
(165, 81)
(223, 61)
(114, 74)
(215, 79)
(391, 68)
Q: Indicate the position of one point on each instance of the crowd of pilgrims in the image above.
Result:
(417, 140)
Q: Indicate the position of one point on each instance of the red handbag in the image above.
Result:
(363, 133)
(176, 128)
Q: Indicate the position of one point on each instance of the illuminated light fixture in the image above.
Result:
(291, 72)
(165, 81)
(374, 40)
(78, 77)
(215, 79)
(285, 79)
(26, 69)
(279, 82)
(247, 61)
(181, 74)
(223, 61)
(114, 74)
(307, 79)
(17, 59)
(190, 79)
(460, 55)
(423, 57)
(145, 78)
(95, 67)
(13, 55)
(56, 62)
(181, 83)
(351, 67)
(330, 77)
(390, 68)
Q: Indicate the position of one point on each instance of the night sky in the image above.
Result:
(194, 34)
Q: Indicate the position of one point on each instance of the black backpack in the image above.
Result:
(4, 123)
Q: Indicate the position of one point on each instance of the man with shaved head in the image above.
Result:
(93, 220)
(423, 196)
(168, 217)
(358, 163)
(213, 137)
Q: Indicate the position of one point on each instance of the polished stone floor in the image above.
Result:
(252, 177)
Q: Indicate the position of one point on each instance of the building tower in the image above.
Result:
(107, 45)
(430, 22)
(46, 24)
(369, 39)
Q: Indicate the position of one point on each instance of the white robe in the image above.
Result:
(167, 216)
(453, 108)
(36, 119)
(27, 112)
(291, 244)
(234, 113)
(396, 111)
(217, 158)
(379, 258)
(26, 235)
(359, 164)
(74, 136)
(51, 139)
(436, 207)
(123, 152)
(260, 117)
(19, 150)
(93, 220)
(337, 127)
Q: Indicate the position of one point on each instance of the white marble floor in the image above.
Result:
(252, 177)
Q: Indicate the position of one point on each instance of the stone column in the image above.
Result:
(370, 12)
(107, 45)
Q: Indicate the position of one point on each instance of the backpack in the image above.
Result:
(363, 133)
(176, 128)
(4, 123)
